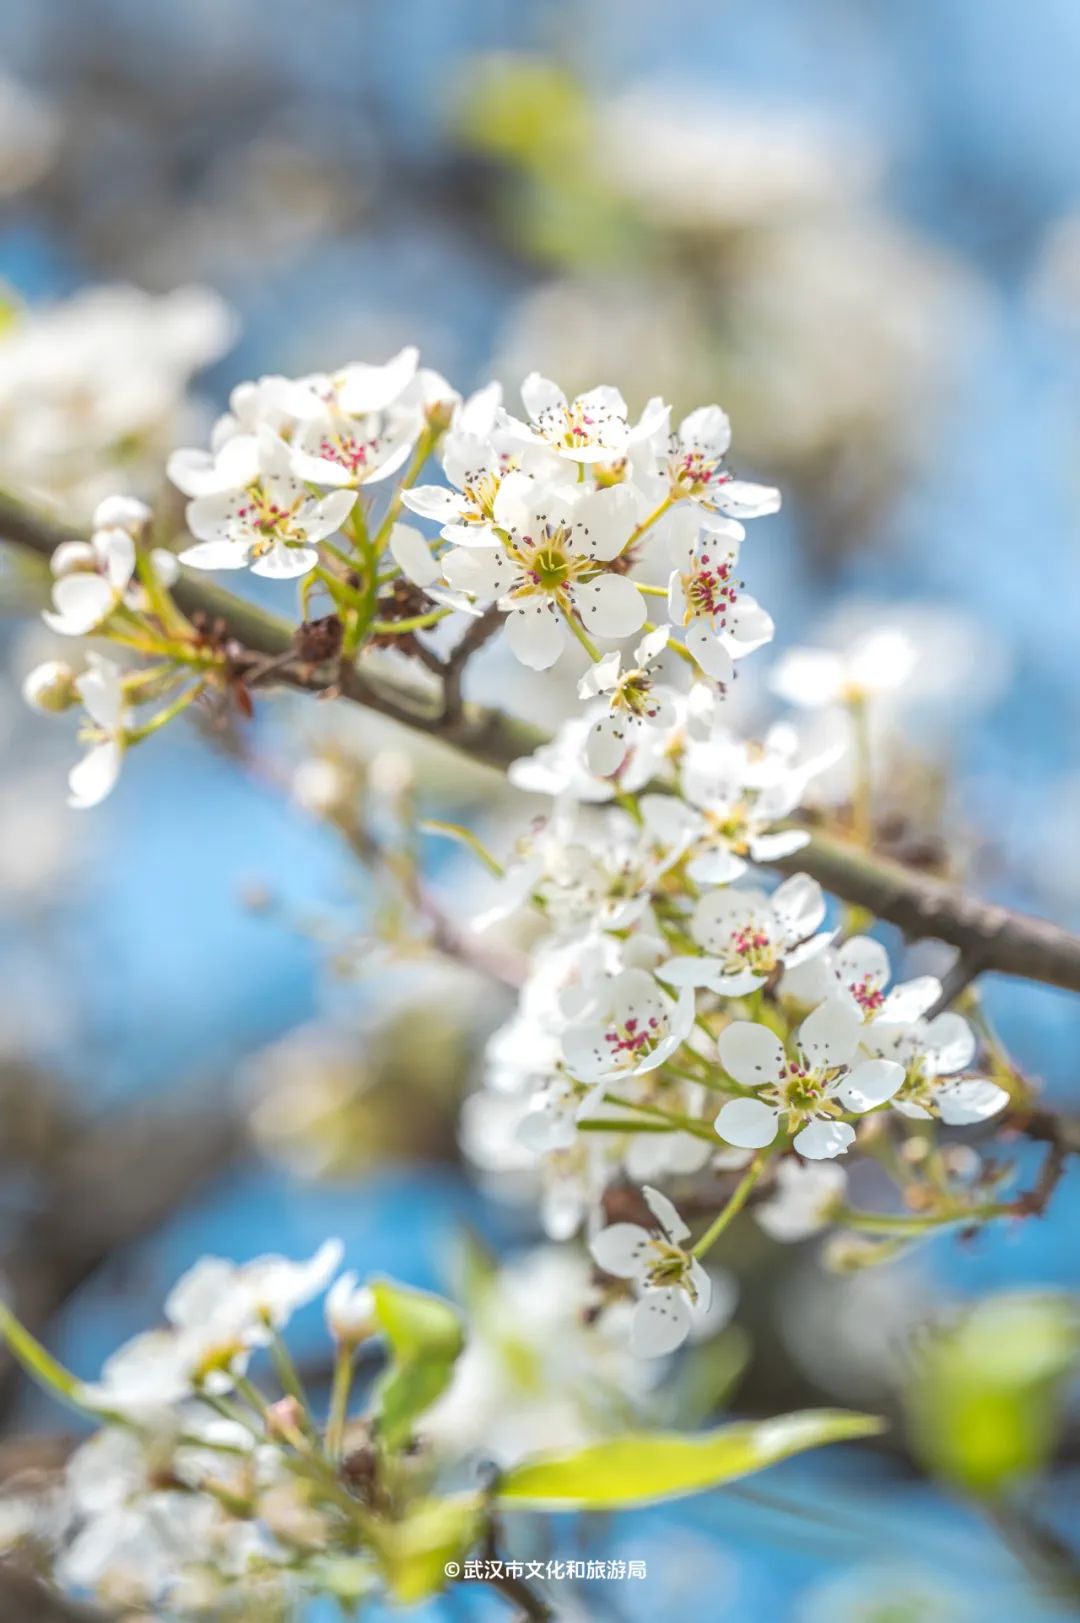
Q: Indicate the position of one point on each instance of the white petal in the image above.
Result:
(910, 1000)
(870, 1084)
(830, 1035)
(717, 867)
(412, 555)
(751, 1053)
(606, 745)
(950, 1043)
(92, 778)
(622, 1249)
(749, 1123)
(81, 603)
(666, 1215)
(863, 959)
(486, 571)
(808, 677)
(329, 514)
(961, 1104)
(661, 1322)
(611, 606)
(800, 905)
(821, 1140)
(741, 499)
(434, 501)
(534, 634)
(286, 563)
(216, 555)
(772, 847)
(539, 394)
(709, 651)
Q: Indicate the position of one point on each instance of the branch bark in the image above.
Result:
(994, 937)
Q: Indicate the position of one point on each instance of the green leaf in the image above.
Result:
(646, 1467)
(425, 1336)
(985, 1399)
(414, 1552)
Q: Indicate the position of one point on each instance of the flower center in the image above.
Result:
(696, 472)
(709, 589)
(670, 1266)
(351, 452)
(635, 694)
(271, 522)
(635, 1039)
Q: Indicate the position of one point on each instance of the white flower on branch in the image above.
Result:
(267, 519)
(552, 566)
(745, 936)
(811, 1090)
(673, 1287)
(593, 428)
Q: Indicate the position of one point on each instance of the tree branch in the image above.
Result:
(984, 933)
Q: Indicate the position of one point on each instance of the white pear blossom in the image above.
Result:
(270, 522)
(477, 455)
(876, 663)
(101, 689)
(640, 1028)
(812, 1090)
(745, 936)
(733, 793)
(673, 1287)
(692, 464)
(931, 1054)
(552, 566)
(91, 579)
(805, 1196)
(594, 427)
(558, 767)
(721, 621)
(636, 701)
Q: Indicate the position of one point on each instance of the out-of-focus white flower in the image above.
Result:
(350, 1309)
(637, 1029)
(51, 686)
(746, 935)
(931, 1053)
(879, 662)
(801, 1204)
(811, 1091)
(96, 385)
(101, 689)
(673, 1287)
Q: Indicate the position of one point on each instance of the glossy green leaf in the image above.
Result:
(425, 1337)
(645, 1468)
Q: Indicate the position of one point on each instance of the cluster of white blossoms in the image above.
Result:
(682, 1010)
(94, 389)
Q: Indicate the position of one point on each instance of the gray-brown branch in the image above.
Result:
(985, 935)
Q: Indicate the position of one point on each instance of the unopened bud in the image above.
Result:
(122, 513)
(51, 687)
(320, 786)
(350, 1311)
(285, 1419)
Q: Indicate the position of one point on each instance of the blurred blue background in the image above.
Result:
(324, 167)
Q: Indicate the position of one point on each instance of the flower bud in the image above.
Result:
(320, 786)
(350, 1311)
(51, 687)
(122, 513)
